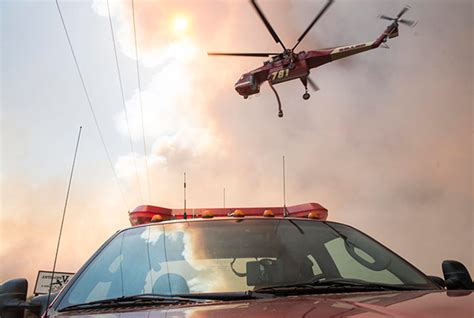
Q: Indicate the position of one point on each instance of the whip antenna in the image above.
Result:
(184, 213)
(62, 221)
(285, 212)
(224, 198)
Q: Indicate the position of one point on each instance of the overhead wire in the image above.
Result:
(123, 101)
(90, 105)
(140, 101)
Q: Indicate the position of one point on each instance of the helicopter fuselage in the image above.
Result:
(283, 68)
(286, 67)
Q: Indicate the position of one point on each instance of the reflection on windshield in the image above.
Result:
(235, 256)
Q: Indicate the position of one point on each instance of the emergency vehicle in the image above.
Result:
(247, 262)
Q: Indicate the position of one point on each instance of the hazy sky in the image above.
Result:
(385, 145)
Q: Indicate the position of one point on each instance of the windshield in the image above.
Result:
(225, 256)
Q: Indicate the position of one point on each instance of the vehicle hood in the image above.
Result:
(361, 305)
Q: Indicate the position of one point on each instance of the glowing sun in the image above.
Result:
(180, 24)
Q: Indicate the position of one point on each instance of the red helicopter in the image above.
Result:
(288, 65)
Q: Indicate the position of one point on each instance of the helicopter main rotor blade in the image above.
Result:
(382, 16)
(312, 84)
(405, 9)
(267, 24)
(328, 4)
(410, 23)
(243, 54)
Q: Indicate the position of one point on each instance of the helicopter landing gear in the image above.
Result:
(306, 95)
(307, 80)
(280, 111)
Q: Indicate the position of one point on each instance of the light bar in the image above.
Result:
(144, 213)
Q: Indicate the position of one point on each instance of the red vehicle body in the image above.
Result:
(241, 233)
(432, 303)
(456, 304)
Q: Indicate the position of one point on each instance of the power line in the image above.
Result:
(123, 101)
(90, 105)
(140, 99)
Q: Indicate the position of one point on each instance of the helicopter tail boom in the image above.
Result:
(344, 51)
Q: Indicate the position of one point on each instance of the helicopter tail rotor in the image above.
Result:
(392, 30)
(398, 19)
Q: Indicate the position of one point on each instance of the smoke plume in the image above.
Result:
(385, 145)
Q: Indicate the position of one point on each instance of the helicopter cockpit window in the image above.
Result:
(252, 80)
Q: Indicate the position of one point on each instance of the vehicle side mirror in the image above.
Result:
(13, 299)
(42, 301)
(456, 275)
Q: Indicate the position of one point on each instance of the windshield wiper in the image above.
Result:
(323, 285)
(139, 299)
(229, 296)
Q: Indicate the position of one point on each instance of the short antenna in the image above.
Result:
(185, 216)
(62, 221)
(285, 212)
